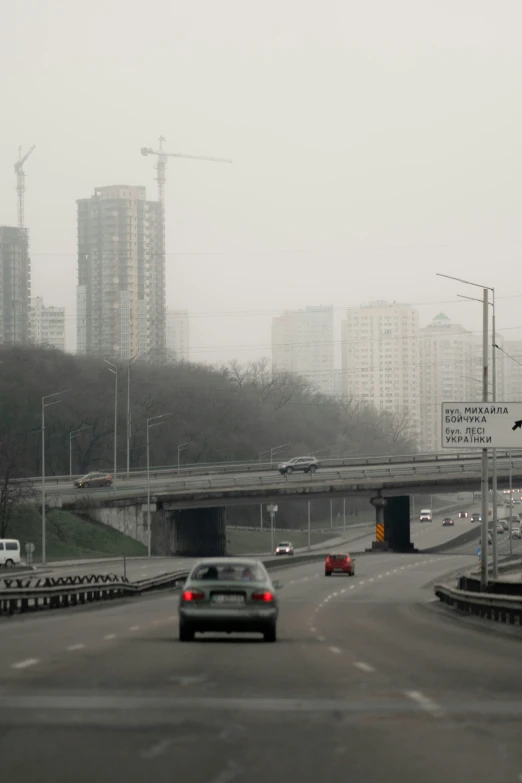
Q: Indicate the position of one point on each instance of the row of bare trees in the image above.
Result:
(232, 412)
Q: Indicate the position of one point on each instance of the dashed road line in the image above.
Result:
(312, 629)
(156, 750)
(110, 636)
(24, 664)
(320, 638)
(364, 667)
(334, 650)
(134, 628)
(426, 703)
(74, 647)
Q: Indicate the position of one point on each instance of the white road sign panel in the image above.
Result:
(485, 425)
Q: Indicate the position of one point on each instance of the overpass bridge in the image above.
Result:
(188, 509)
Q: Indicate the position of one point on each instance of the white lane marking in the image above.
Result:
(320, 638)
(74, 647)
(352, 587)
(394, 571)
(24, 664)
(334, 650)
(361, 582)
(312, 630)
(156, 750)
(371, 579)
(426, 703)
(364, 667)
(134, 628)
(343, 590)
(387, 573)
(110, 636)
(380, 576)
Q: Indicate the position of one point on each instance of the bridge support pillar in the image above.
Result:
(392, 529)
(191, 532)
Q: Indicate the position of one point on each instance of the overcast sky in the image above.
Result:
(374, 143)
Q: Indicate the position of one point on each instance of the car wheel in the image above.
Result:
(86, 485)
(270, 635)
(352, 573)
(289, 470)
(9, 563)
(107, 483)
(282, 472)
(312, 468)
(186, 634)
(327, 573)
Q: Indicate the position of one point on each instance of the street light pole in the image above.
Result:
(494, 466)
(510, 506)
(129, 414)
(44, 406)
(181, 447)
(114, 369)
(149, 425)
(72, 434)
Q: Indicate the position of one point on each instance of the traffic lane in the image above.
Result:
(218, 716)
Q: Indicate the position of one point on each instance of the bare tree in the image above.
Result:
(13, 490)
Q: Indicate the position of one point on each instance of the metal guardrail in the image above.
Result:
(501, 608)
(255, 466)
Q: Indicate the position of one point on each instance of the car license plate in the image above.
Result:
(223, 598)
(338, 569)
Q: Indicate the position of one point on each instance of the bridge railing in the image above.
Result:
(502, 608)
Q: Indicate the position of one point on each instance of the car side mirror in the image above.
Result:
(277, 584)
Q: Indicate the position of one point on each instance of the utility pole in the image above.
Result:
(484, 477)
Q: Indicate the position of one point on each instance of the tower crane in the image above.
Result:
(161, 165)
(20, 183)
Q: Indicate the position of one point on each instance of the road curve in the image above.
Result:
(369, 681)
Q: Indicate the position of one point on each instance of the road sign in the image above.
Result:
(29, 548)
(493, 425)
(479, 551)
(271, 508)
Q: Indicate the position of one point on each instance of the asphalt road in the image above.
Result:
(369, 681)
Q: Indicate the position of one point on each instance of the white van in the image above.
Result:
(425, 515)
(9, 552)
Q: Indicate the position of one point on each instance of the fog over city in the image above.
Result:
(373, 144)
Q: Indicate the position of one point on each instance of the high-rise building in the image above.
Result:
(380, 358)
(302, 344)
(513, 371)
(121, 274)
(446, 353)
(15, 285)
(46, 324)
(178, 335)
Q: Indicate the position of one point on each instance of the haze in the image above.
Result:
(373, 143)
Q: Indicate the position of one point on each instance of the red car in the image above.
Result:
(339, 564)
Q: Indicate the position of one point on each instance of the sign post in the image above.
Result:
(271, 508)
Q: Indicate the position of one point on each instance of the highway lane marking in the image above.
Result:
(320, 638)
(426, 703)
(134, 628)
(371, 579)
(110, 636)
(380, 576)
(156, 750)
(352, 587)
(24, 664)
(312, 629)
(334, 650)
(74, 647)
(364, 667)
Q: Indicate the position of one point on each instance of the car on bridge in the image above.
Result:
(228, 595)
(306, 464)
(476, 517)
(339, 564)
(463, 514)
(94, 480)
(447, 521)
(285, 548)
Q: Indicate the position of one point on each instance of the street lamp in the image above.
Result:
(149, 425)
(484, 479)
(44, 406)
(73, 434)
(129, 414)
(182, 447)
(114, 369)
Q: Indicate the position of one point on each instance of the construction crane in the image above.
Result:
(161, 165)
(20, 183)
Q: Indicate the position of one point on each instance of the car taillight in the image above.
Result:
(193, 595)
(264, 596)
(328, 559)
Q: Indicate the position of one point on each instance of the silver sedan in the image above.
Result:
(225, 594)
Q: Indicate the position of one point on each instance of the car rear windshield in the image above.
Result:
(338, 557)
(229, 572)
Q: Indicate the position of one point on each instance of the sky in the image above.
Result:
(373, 144)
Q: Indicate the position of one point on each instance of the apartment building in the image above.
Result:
(121, 309)
(380, 357)
(446, 374)
(302, 344)
(46, 324)
(15, 285)
(178, 335)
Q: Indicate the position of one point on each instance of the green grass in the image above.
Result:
(241, 542)
(70, 537)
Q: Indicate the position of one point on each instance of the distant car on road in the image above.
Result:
(306, 464)
(500, 529)
(447, 521)
(463, 514)
(515, 533)
(505, 523)
(476, 517)
(425, 515)
(9, 552)
(228, 595)
(515, 518)
(490, 539)
(284, 548)
(339, 564)
(516, 501)
(94, 480)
